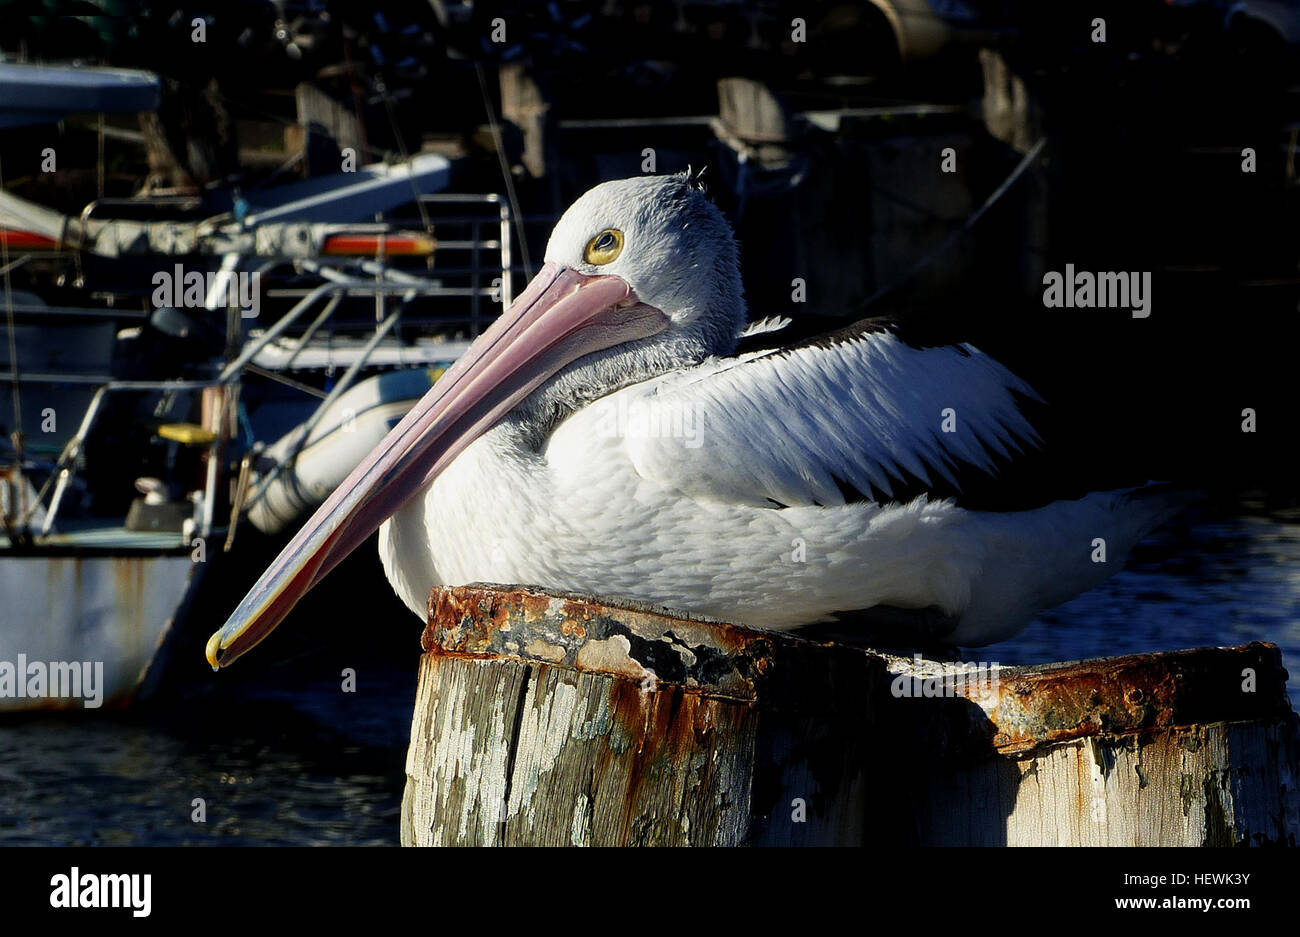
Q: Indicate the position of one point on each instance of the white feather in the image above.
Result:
(783, 426)
(769, 324)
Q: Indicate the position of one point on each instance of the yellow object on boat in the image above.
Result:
(188, 434)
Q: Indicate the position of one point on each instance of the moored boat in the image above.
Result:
(165, 374)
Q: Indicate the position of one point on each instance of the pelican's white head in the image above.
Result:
(641, 277)
(672, 247)
(665, 239)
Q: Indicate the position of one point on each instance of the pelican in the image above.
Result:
(604, 436)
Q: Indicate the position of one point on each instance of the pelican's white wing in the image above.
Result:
(859, 413)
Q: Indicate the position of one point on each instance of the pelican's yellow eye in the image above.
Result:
(604, 247)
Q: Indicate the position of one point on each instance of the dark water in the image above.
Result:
(282, 756)
(305, 766)
(1205, 580)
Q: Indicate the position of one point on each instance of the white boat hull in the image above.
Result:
(109, 610)
(345, 434)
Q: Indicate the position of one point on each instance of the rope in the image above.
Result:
(401, 147)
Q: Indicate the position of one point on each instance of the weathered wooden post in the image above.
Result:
(552, 719)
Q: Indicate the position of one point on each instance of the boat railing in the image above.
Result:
(476, 244)
(485, 235)
(65, 465)
(390, 287)
(83, 221)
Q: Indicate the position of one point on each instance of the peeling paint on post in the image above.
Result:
(559, 719)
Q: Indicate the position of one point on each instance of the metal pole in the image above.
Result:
(67, 461)
(250, 352)
(507, 260)
(475, 301)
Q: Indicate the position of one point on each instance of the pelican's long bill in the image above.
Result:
(561, 316)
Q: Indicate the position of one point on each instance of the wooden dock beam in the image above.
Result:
(553, 719)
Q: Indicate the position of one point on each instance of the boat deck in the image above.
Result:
(107, 536)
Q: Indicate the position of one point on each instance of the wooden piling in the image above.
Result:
(555, 719)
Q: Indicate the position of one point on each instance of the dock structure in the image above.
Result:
(560, 719)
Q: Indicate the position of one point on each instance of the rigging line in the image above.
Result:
(495, 129)
(15, 532)
(14, 264)
(286, 381)
(966, 225)
(12, 329)
(932, 215)
(355, 88)
(406, 158)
